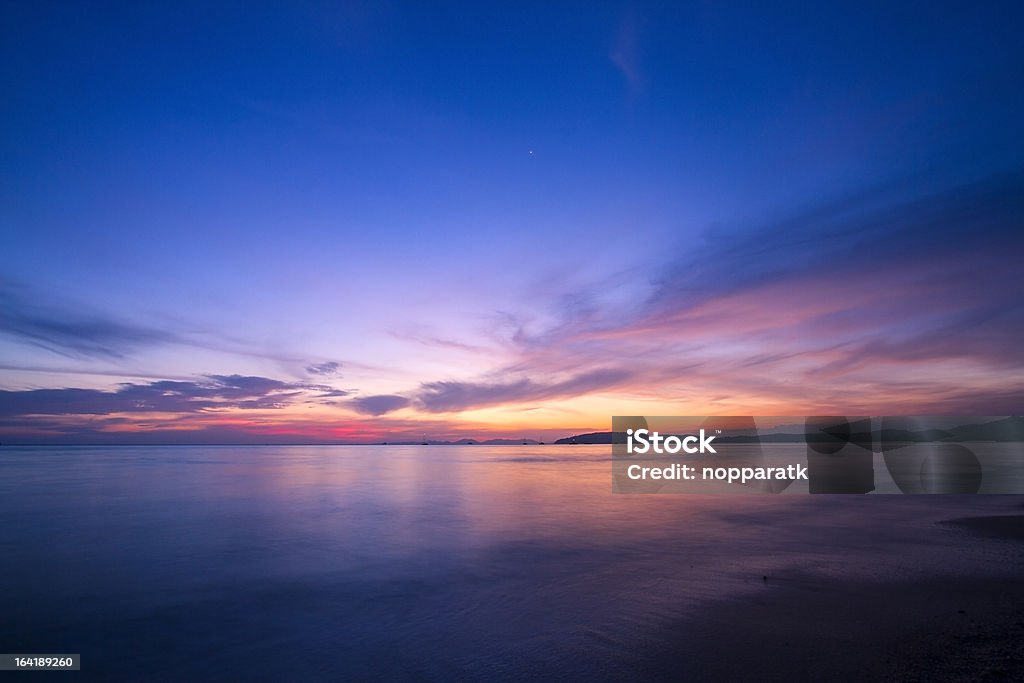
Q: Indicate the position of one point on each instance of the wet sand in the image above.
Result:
(797, 628)
(997, 526)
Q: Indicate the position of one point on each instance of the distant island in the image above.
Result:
(1008, 429)
(590, 438)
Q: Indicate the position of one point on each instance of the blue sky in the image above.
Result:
(441, 200)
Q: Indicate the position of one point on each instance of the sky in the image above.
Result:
(360, 221)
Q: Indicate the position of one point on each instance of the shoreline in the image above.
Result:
(941, 628)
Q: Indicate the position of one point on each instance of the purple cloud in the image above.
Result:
(441, 397)
(168, 396)
(378, 405)
(328, 368)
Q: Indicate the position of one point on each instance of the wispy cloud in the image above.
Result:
(886, 303)
(848, 240)
(438, 397)
(625, 52)
(67, 328)
(457, 396)
(327, 368)
(65, 331)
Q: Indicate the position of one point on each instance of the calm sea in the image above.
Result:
(418, 563)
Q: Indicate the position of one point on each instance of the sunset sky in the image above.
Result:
(355, 221)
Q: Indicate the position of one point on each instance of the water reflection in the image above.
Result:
(413, 562)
